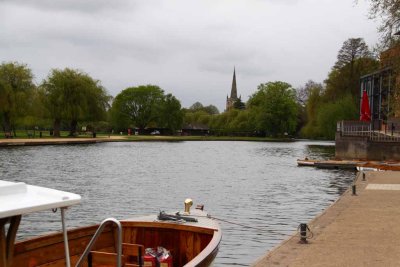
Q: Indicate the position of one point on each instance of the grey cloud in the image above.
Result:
(188, 47)
(87, 6)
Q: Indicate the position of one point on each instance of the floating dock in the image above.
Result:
(360, 229)
(350, 164)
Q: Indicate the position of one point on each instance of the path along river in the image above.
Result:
(256, 184)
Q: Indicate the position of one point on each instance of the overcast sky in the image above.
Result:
(189, 48)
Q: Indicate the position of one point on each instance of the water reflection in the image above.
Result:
(250, 183)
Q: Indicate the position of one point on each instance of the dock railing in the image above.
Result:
(365, 129)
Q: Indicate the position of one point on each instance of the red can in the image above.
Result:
(149, 261)
(166, 262)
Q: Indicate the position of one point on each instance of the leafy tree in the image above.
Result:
(354, 60)
(351, 50)
(239, 104)
(303, 93)
(275, 107)
(140, 105)
(314, 101)
(341, 82)
(15, 87)
(196, 106)
(330, 113)
(342, 90)
(74, 96)
(211, 109)
(171, 115)
(389, 12)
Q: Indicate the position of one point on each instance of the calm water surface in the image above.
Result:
(252, 183)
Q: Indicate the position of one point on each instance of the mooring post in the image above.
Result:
(363, 174)
(303, 233)
(353, 189)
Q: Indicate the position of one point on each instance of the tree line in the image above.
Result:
(69, 98)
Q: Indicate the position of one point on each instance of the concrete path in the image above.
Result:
(361, 230)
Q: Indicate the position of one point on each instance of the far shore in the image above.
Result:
(21, 141)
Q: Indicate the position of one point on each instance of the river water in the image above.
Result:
(255, 185)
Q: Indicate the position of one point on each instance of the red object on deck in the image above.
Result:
(149, 261)
(365, 110)
(166, 262)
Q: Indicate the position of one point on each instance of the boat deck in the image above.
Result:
(203, 221)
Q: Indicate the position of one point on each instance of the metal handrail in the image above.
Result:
(96, 235)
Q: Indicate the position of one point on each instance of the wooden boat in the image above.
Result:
(191, 237)
(306, 162)
(366, 169)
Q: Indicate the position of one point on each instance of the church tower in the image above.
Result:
(230, 101)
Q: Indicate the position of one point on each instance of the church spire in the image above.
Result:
(234, 89)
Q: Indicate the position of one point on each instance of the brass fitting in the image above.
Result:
(188, 204)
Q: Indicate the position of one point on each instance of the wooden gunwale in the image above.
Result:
(169, 225)
(56, 237)
(207, 255)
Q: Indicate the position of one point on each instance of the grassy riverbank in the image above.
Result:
(138, 138)
(205, 138)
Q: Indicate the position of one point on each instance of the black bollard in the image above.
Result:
(363, 176)
(353, 189)
(303, 233)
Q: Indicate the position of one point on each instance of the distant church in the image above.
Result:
(230, 101)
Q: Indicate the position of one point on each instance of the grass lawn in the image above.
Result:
(64, 134)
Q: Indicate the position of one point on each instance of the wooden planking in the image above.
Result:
(163, 225)
(56, 237)
(186, 246)
(133, 253)
(52, 252)
(104, 259)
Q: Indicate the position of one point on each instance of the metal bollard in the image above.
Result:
(303, 233)
(363, 176)
(353, 189)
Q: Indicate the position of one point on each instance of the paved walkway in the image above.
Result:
(361, 230)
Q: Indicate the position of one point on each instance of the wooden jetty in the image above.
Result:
(349, 164)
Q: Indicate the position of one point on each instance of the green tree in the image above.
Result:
(74, 96)
(171, 114)
(352, 49)
(15, 88)
(140, 105)
(354, 60)
(239, 104)
(197, 106)
(275, 108)
(330, 113)
(211, 109)
(314, 101)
